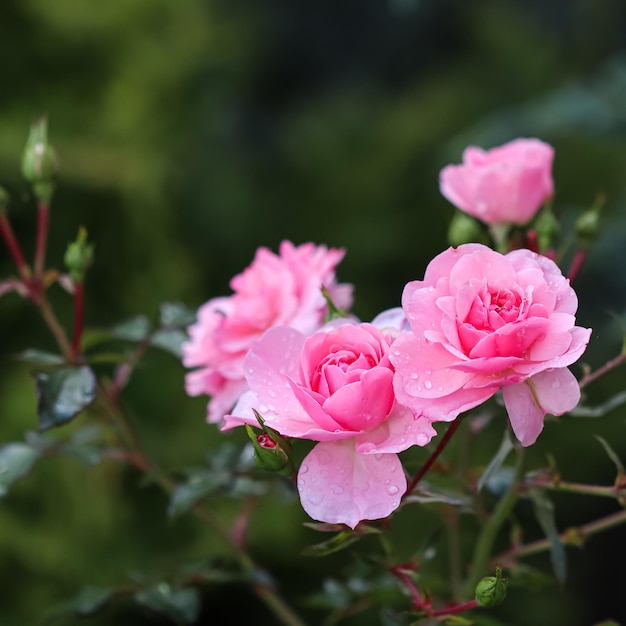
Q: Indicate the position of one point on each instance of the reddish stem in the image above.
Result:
(531, 240)
(43, 213)
(79, 310)
(577, 263)
(607, 367)
(13, 246)
(443, 442)
(457, 608)
(418, 603)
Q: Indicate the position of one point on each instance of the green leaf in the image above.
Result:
(613, 456)
(496, 462)
(169, 340)
(176, 315)
(457, 620)
(544, 512)
(340, 541)
(62, 394)
(16, 460)
(135, 329)
(181, 605)
(199, 485)
(89, 601)
(39, 357)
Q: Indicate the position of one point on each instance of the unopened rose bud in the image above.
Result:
(588, 226)
(547, 227)
(268, 453)
(464, 229)
(491, 590)
(39, 161)
(79, 256)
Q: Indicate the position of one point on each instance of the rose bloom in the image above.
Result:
(507, 184)
(335, 387)
(481, 321)
(283, 289)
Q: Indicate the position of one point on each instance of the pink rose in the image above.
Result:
(506, 184)
(283, 289)
(335, 387)
(481, 321)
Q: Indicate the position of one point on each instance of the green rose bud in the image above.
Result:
(79, 256)
(491, 590)
(39, 162)
(272, 452)
(547, 227)
(464, 229)
(588, 226)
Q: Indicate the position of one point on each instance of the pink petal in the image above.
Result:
(399, 431)
(424, 369)
(365, 404)
(447, 407)
(525, 415)
(339, 486)
(555, 391)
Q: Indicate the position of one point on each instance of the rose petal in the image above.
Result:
(398, 432)
(555, 391)
(339, 486)
(525, 415)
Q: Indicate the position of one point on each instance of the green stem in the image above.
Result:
(487, 537)
(500, 236)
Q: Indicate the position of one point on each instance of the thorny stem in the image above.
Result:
(591, 490)
(608, 366)
(453, 610)
(577, 263)
(443, 442)
(265, 592)
(6, 231)
(417, 601)
(575, 536)
(43, 214)
(490, 530)
(79, 312)
(55, 328)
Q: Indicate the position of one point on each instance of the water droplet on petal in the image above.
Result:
(428, 384)
(303, 469)
(421, 439)
(392, 490)
(556, 383)
(336, 489)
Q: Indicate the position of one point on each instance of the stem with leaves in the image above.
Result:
(487, 537)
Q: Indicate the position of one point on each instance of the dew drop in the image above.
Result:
(428, 384)
(271, 393)
(336, 489)
(556, 384)
(392, 490)
(303, 469)
(421, 439)
(440, 388)
(414, 376)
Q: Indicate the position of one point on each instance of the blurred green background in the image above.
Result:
(190, 133)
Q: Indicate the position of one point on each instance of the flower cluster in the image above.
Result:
(479, 322)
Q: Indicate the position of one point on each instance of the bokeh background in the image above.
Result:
(192, 132)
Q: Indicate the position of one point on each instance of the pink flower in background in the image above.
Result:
(283, 289)
(506, 184)
(335, 387)
(481, 321)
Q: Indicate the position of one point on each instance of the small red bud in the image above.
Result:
(265, 441)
